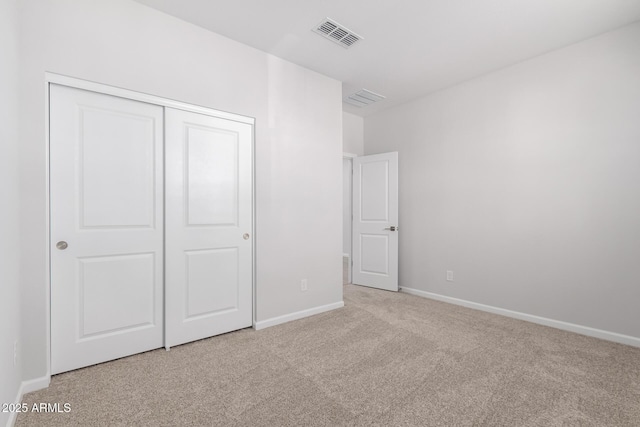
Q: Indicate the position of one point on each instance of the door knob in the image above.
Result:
(245, 236)
(392, 228)
(62, 245)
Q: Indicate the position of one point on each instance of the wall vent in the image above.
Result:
(362, 98)
(337, 33)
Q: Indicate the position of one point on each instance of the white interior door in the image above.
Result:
(208, 226)
(106, 227)
(375, 221)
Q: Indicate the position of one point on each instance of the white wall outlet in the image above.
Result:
(449, 276)
(15, 353)
(303, 285)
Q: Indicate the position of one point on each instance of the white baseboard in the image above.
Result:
(565, 326)
(35, 384)
(27, 387)
(297, 315)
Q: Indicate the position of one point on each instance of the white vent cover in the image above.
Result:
(337, 33)
(362, 98)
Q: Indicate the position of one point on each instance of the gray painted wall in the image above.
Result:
(10, 375)
(526, 183)
(298, 139)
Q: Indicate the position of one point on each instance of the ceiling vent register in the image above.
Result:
(337, 33)
(362, 98)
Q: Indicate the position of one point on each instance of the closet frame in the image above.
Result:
(62, 80)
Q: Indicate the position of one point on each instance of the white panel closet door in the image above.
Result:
(208, 226)
(106, 227)
(375, 221)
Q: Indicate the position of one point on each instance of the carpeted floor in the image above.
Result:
(385, 359)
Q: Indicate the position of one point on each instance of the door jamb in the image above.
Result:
(350, 157)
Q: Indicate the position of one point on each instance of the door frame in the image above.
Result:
(58, 79)
(372, 279)
(349, 157)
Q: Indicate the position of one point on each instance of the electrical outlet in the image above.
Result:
(303, 285)
(15, 353)
(449, 276)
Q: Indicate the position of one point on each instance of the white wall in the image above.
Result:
(352, 134)
(299, 192)
(10, 376)
(526, 183)
(298, 139)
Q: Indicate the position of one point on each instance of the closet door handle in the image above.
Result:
(392, 228)
(245, 236)
(62, 245)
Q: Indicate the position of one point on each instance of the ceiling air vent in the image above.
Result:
(362, 98)
(337, 33)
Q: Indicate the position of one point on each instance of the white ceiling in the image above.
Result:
(410, 47)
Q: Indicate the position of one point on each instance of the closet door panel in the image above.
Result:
(106, 201)
(208, 226)
(212, 177)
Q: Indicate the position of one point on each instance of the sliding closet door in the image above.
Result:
(106, 227)
(208, 226)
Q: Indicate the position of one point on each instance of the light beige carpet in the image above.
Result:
(385, 359)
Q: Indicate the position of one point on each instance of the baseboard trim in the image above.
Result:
(27, 387)
(558, 324)
(35, 384)
(297, 315)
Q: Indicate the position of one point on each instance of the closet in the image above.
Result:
(151, 225)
